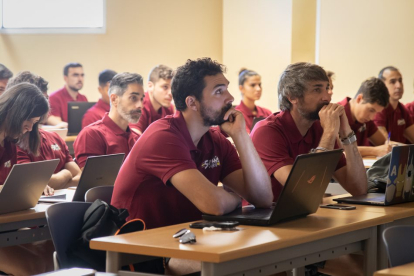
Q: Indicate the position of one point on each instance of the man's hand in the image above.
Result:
(48, 191)
(330, 118)
(234, 123)
(383, 150)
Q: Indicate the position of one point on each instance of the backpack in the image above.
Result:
(100, 220)
(378, 174)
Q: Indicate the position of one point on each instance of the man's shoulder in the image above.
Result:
(56, 93)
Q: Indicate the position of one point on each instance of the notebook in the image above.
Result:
(98, 171)
(301, 195)
(76, 110)
(399, 186)
(25, 184)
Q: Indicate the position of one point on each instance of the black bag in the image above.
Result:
(100, 220)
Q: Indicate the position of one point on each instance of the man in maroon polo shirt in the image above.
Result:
(395, 119)
(371, 98)
(157, 101)
(309, 123)
(67, 172)
(171, 174)
(73, 76)
(97, 111)
(111, 134)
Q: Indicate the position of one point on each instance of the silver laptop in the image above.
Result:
(98, 171)
(400, 185)
(301, 195)
(25, 184)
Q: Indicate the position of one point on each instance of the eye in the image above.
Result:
(133, 98)
(219, 91)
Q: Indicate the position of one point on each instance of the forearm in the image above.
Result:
(356, 177)
(74, 181)
(257, 185)
(59, 180)
(368, 151)
(328, 140)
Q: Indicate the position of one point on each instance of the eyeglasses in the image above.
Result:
(185, 235)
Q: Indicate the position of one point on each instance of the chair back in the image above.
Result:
(399, 242)
(101, 192)
(65, 221)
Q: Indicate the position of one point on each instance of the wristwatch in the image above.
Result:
(318, 148)
(351, 138)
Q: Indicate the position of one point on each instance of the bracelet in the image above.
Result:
(351, 138)
(318, 148)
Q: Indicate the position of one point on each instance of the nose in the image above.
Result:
(230, 98)
(258, 88)
(139, 104)
(398, 84)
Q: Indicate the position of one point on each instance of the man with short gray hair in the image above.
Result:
(5, 75)
(111, 134)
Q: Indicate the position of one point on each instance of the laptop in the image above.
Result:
(25, 184)
(76, 110)
(98, 171)
(399, 188)
(301, 195)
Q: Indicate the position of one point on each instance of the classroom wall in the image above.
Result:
(257, 35)
(358, 38)
(140, 34)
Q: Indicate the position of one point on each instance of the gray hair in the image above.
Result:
(294, 80)
(120, 82)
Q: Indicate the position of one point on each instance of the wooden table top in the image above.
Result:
(221, 246)
(34, 213)
(70, 138)
(392, 212)
(402, 270)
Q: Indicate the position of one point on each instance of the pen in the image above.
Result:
(389, 136)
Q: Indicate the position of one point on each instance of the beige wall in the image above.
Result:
(358, 38)
(257, 35)
(140, 34)
(303, 30)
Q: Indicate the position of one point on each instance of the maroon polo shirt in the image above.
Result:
(7, 159)
(410, 108)
(278, 142)
(101, 138)
(95, 113)
(362, 130)
(58, 101)
(165, 149)
(248, 115)
(51, 147)
(149, 114)
(395, 121)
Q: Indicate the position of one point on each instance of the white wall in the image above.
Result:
(358, 38)
(257, 35)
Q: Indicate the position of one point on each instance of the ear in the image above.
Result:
(192, 103)
(114, 100)
(101, 90)
(65, 78)
(293, 101)
(150, 86)
(359, 98)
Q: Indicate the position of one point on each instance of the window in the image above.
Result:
(52, 16)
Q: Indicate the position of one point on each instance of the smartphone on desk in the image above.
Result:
(338, 206)
(218, 224)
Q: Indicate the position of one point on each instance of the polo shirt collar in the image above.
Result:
(107, 121)
(103, 105)
(182, 127)
(245, 110)
(294, 133)
(67, 95)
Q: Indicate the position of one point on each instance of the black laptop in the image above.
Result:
(99, 171)
(301, 195)
(399, 187)
(76, 110)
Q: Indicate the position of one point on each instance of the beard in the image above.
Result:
(212, 117)
(131, 116)
(312, 115)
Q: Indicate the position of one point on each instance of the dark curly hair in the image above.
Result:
(373, 90)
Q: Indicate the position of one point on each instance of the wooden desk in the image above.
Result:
(402, 270)
(70, 138)
(34, 217)
(321, 236)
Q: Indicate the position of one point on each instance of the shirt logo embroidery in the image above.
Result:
(362, 128)
(55, 147)
(401, 122)
(210, 164)
(7, 164)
